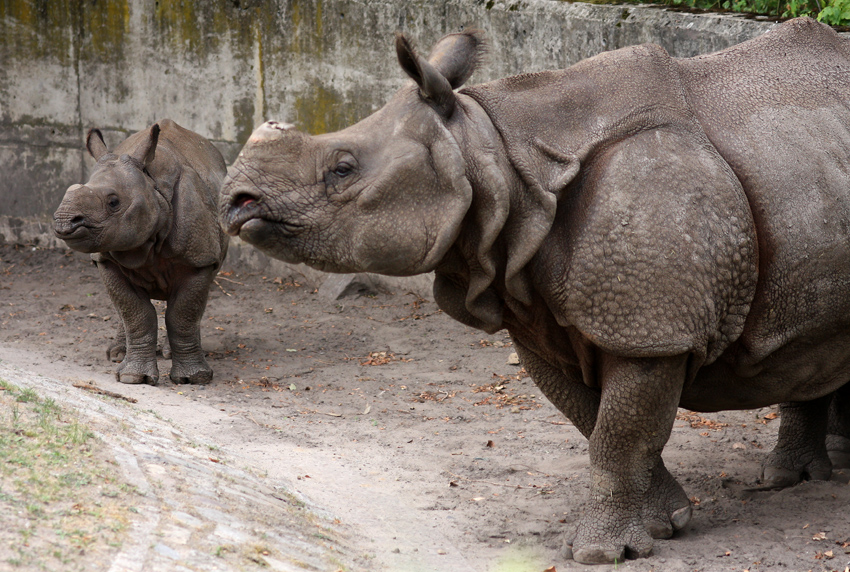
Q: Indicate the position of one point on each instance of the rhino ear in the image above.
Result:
(457, 56)
(433, 86)
(95, 144)
(147, 151)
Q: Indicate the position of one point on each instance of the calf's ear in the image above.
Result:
(433, 86)
(95, 144)
(146, 152)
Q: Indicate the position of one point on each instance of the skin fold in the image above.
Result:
(652, 232)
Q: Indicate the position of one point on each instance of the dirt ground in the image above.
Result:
(414, 429)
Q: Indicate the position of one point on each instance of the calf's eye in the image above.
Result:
(343, 170)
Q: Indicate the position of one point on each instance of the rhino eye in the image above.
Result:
(343, 170)
(113, 203)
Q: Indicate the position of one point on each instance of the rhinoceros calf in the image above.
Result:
(148, 216)
(652, 232)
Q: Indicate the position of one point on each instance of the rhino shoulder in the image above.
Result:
(655, 253)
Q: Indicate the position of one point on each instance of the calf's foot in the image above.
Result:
(193, 371)
(116, 352)
(137, 371)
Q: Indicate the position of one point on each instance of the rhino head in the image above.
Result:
(386, 195)
(119, 209)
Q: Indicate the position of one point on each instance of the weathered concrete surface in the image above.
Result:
(222, 67)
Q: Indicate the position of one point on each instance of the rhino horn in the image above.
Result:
(95, 144)
(270, 131)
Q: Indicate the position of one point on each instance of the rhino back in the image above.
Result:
(778, 110)
(189, 171)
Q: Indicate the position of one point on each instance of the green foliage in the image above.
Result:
(836, 13)
(832, 12)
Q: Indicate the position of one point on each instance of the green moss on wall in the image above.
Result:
(37, 29)
(322, 110)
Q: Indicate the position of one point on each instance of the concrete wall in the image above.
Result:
(221, 67)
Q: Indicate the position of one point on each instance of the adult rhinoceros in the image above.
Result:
(652, 232)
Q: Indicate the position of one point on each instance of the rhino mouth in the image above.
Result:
(247, 218)
(72, 231)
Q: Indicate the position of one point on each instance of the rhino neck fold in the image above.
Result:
(471, 282)
(524, 140)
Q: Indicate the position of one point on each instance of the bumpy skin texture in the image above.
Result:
(652, 232)
(148, 216)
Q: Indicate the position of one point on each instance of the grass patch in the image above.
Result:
(62, 503)
(832, 12)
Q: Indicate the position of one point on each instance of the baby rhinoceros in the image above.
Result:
(148, 217)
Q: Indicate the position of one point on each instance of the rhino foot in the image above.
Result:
(200, 374)
(595, 544)
(164, 349)
(782, 470)
(136, 371)
(116, 352)
(838, 449)
(136, 378)
(666, 507)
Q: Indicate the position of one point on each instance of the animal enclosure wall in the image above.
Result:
(221, 67)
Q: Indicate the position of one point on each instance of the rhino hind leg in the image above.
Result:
(838, 429)
(183, 324)
(800, 452)
(117, 350)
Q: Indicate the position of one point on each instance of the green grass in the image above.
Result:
(832, 12)
(62, 504)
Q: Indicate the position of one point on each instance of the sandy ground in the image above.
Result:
(414, 429)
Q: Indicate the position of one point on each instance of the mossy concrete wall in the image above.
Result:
(221, 67)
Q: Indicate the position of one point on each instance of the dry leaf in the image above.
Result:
(819, 536)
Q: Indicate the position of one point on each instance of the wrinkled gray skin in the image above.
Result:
(148, 216)
(652, 232)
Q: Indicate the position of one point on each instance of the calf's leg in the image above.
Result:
(183, 323)
(139, 321)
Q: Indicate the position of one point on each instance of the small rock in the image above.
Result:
(513, 359)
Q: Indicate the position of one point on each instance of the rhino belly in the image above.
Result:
(800, 370)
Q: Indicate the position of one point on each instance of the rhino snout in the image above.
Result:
(67, 225)
(239, 209)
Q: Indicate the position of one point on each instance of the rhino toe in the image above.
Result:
(137, 378)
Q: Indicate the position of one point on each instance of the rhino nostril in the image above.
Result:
(77, 221)
(243, 200)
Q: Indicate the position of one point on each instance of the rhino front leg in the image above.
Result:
(800, 451)
(183, 324)
(838, 430)
(636, 414)
(138, 318)
(666, 507)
